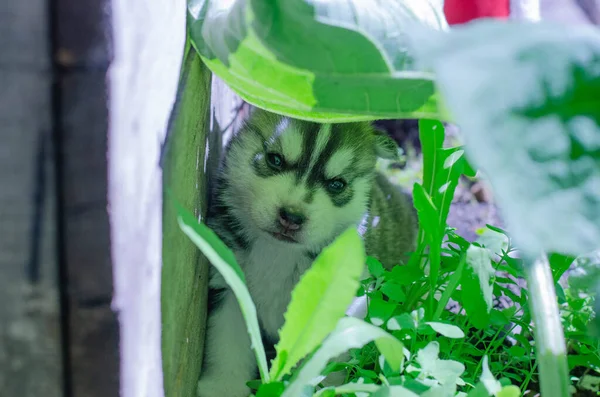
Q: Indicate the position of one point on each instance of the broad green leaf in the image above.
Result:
(475, 286)
(532, 126)
(224, 261)
(325, 61)
(350, 333)
(319, 300)
(448, 330)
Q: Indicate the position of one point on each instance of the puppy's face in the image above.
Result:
(301, 183)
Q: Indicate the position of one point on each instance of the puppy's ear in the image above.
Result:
(385, 147)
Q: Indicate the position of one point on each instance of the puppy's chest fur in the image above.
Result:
(272, 270)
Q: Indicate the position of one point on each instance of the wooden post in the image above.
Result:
(81, 53)
(30, 330)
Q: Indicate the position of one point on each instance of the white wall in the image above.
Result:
(148, 46)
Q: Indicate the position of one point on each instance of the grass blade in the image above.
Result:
(223, 259)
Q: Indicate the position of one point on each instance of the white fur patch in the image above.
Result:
(291, 144)
(338, 162)
(322, 139)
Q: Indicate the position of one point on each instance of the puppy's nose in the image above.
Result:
(291, 219)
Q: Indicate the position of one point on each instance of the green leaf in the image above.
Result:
(448, 330)
(451, 166)
(536, 128)
(393, 291)
(375, 267)
(403, 321)
(442, 168)
(349, 333)
(224, 261)
(498, 318)
(254, 384)
(479, 391)
(559, 264)
(380, 311)
(450, 287)
(325, 61)
(429, 223)
(321, 298)
(509, 391)
(431, 135)
(516, 351)
(407, 274)
(270, 390)
(444, 371)
(475, 286)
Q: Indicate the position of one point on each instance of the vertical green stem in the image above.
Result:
(549, 337)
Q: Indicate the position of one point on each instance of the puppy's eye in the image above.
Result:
(275, 161)
(336, 185)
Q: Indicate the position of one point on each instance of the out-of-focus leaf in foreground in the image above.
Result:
(536, 128)
(319, 300)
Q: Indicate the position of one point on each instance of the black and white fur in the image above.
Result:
(286, 189)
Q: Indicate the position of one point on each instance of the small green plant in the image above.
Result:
(531, 124)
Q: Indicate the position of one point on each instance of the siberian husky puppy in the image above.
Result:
(286, 189)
